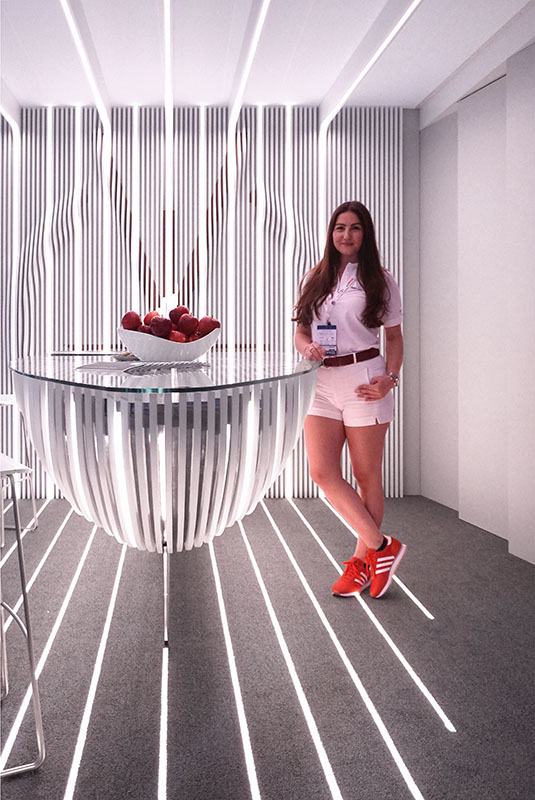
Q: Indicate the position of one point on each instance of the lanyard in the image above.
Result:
(335, 297)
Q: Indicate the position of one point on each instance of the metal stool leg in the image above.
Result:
(26, 629)
(5, 677)
(165, 595)
(30, 476)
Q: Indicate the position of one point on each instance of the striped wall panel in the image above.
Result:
(307, 249)
(65, 193)
(7, 317)
(93, 226)
(364, 162)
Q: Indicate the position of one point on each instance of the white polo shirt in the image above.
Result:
(344, 307)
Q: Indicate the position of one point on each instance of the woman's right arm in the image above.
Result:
(309, 349)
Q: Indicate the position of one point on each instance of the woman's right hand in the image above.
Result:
(314, 352)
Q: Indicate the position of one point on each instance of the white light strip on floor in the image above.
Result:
(32, 580)
(164, 703)
(399, 655)
(414, 599)
(311, 722)
(24, 532)
(46, 652)
(82, 733)
(409, 780)
(242, 719)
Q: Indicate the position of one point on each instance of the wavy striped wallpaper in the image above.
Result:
(93, 237)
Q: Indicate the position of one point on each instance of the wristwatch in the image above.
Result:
(394, 378)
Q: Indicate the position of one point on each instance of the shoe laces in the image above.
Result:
(354, 568)
(371, 560)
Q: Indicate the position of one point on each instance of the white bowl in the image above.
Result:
(152, 348)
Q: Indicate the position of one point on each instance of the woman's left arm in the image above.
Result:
(394, 349)
(382, 384)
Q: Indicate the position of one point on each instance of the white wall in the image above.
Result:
(438, 313)
(520, 266)
(477, 308)
(482, 306)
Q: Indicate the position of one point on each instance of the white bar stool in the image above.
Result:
(9, 470)
(7, 400)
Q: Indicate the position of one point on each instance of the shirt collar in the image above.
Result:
(350, 271)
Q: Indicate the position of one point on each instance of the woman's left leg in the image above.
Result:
(366, 452)
(366, 445)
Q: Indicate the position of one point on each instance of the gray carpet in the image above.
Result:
(475, 657)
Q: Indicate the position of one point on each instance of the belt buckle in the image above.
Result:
(355, 359)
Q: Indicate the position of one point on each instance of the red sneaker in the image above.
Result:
(355, 578)
(383, 564)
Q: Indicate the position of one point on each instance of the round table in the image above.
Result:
(164, 457)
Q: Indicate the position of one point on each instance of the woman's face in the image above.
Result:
(348, 234)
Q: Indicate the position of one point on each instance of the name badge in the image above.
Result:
(327, 338)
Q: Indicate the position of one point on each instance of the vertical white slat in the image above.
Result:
(10, 155)
(134, 206)
(202, 216)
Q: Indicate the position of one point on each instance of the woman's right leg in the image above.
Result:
(324, 439)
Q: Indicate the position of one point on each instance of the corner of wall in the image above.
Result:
(411, 300)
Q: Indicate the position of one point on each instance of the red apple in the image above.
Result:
(131, 321)
(143, 329)
(177, 336)
(150, 315)
(160, 326)
(207, 325)
(177, 312)
(187, 324)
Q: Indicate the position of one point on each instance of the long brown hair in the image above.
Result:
(321, 280)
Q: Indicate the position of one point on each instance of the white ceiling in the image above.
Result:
(309, 51)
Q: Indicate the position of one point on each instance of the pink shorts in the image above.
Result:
(335, 396)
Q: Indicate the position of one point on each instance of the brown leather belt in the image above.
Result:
(351, 358)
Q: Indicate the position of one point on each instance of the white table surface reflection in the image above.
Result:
(164, 458)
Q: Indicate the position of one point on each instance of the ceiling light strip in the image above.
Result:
(232, 176)
(364, 71)
(326, 119)
(86, 64)
(103, 112)
(255, 39)
(389, 742)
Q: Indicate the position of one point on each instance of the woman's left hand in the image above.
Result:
(378, 387)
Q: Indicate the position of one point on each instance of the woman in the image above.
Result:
(343, 301)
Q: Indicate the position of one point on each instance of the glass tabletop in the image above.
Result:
(216, 370)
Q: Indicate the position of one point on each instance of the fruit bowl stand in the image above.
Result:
(164, 457)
